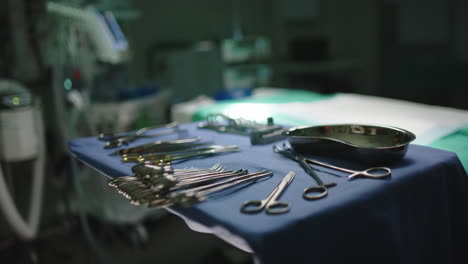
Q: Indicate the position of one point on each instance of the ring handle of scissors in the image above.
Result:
(317, 192)
(274, 207)
(375, 173)
(270, 203)
(253, 206)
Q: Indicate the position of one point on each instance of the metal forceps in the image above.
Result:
(270, 203)
(114, 141)
(374, 172)
(310, 193)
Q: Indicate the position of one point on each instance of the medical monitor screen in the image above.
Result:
(109, 21)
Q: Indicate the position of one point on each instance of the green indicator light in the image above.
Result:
(67, 84)
(15, 100)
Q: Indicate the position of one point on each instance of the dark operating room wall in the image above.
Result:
(409, 49)
(413, 49)
(349, 27)
(353, 31)
(190, 22)
(424, 51)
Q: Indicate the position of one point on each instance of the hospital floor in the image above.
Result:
(169, 241)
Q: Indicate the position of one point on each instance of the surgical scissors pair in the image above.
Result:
(321, 190)
(270, 203)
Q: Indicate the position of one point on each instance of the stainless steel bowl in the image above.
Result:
(371, 144)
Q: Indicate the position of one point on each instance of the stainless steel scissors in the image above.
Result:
(270, 203)
(310, 193)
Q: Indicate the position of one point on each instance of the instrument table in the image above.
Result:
(418, 215)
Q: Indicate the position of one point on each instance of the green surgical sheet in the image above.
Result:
(456, 142)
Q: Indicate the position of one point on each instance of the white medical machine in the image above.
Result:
(109, 42)
(21, 139)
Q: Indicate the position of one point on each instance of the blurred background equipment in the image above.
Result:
(107, 38)
(90, 66)
(225, 69)
(21, 141)
(93, 92)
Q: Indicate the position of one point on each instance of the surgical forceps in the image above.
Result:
(270, 203)
(187, 155)
(140, 191)
(114, 141)
(374, 172)
(310, 193)
(199, 151)
(151, 180)
(201, 193)
(161, 146)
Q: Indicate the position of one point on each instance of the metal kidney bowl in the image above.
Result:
(371, 144)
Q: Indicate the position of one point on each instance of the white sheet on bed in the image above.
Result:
(428, 122)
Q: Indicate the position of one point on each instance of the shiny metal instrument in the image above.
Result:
(270, 203)
(161, 185)
(118, 140)
(199, 194)
(226, 124)
(310, 193)
(149, 170)
(260, 134)
(150, 181)
(161, 146)
(180, 154)
(321, 189)
(374, 172)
